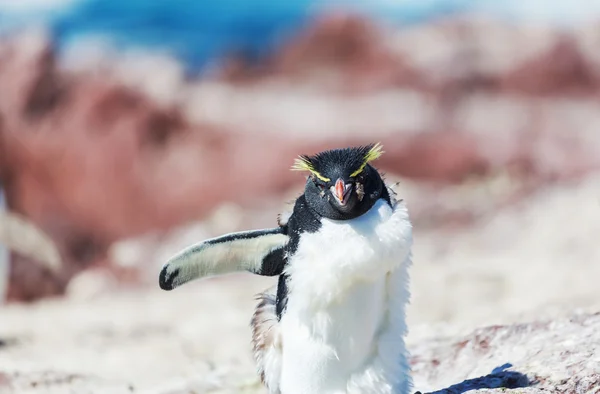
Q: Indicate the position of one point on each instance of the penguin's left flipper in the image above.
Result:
(259, 251)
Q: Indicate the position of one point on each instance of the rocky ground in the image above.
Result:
(121, 163)
(196, 341)
(512, 302)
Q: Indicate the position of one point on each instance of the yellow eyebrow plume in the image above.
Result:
(302, 164)
(374, 153)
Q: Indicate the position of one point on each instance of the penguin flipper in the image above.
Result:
(258, 251)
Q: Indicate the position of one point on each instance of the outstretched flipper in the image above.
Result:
(259, 251)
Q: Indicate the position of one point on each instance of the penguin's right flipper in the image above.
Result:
(258, 251)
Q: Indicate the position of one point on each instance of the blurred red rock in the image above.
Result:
(561, 70)
(91, 160)
(349, 50)
(338, 51)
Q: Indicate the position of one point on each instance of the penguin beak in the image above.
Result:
(341, 191)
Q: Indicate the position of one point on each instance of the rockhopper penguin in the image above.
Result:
(335, 323)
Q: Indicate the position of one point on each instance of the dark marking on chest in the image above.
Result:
(303, 220)
(282, 295)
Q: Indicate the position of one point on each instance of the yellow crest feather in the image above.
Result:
(373, 154)
(302, 164)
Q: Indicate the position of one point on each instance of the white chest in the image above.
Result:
(324, 347)
(339, 301)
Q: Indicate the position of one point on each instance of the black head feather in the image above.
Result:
(347, 167)
(345, 160)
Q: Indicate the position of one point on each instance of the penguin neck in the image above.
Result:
(321, 208)
(327, 262)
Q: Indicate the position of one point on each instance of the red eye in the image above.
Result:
(320, 185)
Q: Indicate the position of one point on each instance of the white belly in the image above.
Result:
(343, 328)
(323, 348)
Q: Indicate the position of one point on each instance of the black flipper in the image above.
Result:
(258, 251)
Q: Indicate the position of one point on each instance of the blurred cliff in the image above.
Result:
(102, 143)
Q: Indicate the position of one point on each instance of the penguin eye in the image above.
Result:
(320, 185)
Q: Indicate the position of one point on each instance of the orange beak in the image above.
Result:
(339, 189)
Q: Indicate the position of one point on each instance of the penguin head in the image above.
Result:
(342, 184)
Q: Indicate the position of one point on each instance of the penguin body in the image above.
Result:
(336, 321)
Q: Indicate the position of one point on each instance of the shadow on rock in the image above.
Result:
(8, 342)
(499, 378)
